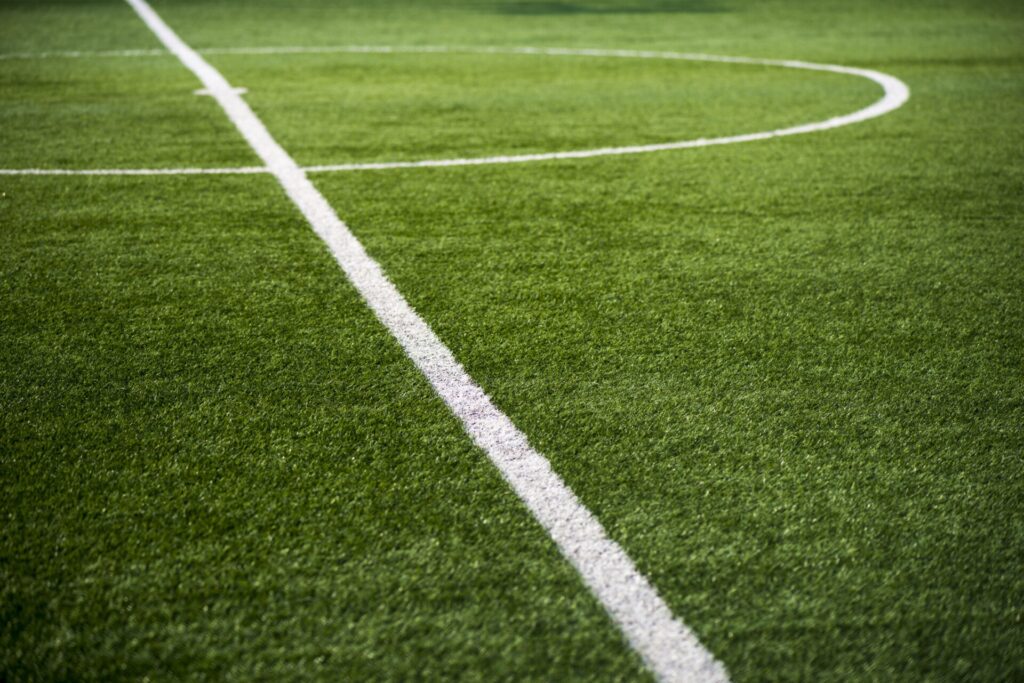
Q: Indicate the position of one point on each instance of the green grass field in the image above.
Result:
(787, 376)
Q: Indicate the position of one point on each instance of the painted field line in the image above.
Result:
(73, 54)
(895, 94)
(668, 647)
(244, 170)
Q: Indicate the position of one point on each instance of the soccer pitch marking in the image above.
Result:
(668, 647)
(895, 95)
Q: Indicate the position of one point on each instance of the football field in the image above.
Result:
(597, 340)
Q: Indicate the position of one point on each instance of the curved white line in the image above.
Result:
(895, 95)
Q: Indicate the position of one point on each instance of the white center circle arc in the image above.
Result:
(895, 94)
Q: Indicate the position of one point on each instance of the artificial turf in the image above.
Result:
(786, 376)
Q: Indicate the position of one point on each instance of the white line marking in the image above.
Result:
(204, 91)
(84, 53)
(668, 647)
(244, 170)
(895, 95)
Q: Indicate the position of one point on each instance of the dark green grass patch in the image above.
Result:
(111, 112)
(216, 463)
(31, 26)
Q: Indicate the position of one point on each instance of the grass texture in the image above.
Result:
(787, 376)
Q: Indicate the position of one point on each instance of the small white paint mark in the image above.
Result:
(669, 648)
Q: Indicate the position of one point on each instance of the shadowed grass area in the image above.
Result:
(652, 7)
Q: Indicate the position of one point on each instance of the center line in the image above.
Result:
(668, 647)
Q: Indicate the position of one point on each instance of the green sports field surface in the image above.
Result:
(787, 376)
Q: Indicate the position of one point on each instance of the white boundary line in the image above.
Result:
(241, 170)
(73, 54)
(895, 95)
(668, 647)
